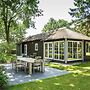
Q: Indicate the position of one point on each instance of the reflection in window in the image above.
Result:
(61, 50)
(74, 50)
(50, 50)
(25, 49)
(88, 48)
(56, 50)
(46, 49)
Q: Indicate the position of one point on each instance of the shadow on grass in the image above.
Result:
(78, 79)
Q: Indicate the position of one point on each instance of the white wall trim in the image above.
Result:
(66, 50)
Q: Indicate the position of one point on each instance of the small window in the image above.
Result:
(36, 46)
(25, 49)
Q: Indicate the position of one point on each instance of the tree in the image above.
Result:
(81, 12)
(14, 12)
(55, 24)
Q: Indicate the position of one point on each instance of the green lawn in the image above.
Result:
(79, 79)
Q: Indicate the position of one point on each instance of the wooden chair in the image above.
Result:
(20, 66)
(37, 64)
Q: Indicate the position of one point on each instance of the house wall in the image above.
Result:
(31, 48)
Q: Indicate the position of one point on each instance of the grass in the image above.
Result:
(79, 79)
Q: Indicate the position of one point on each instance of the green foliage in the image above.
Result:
(5, 52)
(5, 58)
(55, 24)
(81, 12)
(14, 13)
(15, 17)
(3, 79)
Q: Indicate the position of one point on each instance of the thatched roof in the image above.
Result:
(60, 33)
(67, 33)
(41, 36)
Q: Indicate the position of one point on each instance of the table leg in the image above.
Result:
(30, 68)
(42, 67)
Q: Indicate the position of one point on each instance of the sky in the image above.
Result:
(57, 9)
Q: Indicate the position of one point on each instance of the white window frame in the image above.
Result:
(36, 46)
(59, 48)
(48, 50)
(77, 49)
(25, 48)
(53, 50)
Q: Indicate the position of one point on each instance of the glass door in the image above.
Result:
(56, 56)
(50, 50)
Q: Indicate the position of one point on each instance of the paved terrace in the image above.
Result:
(21, 77)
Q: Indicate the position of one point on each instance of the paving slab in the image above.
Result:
(21, 77)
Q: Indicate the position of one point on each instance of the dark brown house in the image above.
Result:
(32, 45)
(60, 45)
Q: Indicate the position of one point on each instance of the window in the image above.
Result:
(74, 50)
(88, 48)
(79, 49)
(61, 50)
(46, 49)
(36, 46)
(25, 49)
(50, 50)
(70, 50)
(56, 50)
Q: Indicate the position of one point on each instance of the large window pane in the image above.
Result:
(74, 50)
(56, 50)
(88, 48)
(46, 50)
(50, 50)
(70, 50)
(25, 49)
(61, 50)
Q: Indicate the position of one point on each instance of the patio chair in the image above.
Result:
(14, 63)
(37, 64)
(20, 66)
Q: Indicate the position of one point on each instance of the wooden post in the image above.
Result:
(30, 68)
(66, 50)
(21, 50)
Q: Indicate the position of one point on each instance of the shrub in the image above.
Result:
(4, 58)
(3, 79)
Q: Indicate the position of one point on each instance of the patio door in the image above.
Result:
(25, 49)
(56, 50)
(50, 50)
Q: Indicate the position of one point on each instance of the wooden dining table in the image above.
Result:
(30, 61)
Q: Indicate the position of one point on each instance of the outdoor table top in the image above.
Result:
(26, 59)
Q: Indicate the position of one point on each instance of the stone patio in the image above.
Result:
(21, 77)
